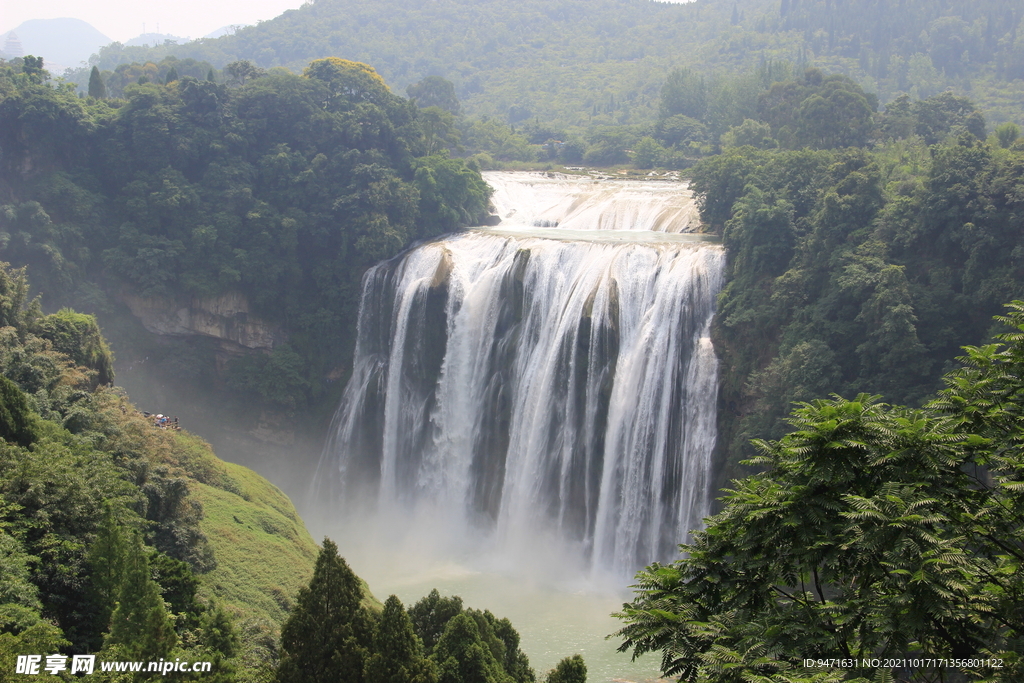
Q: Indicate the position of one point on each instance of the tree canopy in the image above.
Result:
(282, 188)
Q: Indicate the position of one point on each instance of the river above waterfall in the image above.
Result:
(592, 204)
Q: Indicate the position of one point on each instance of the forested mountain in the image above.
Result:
(859, 269)
(575, 63)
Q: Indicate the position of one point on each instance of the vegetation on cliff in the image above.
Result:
(112, 530)
(859, 269)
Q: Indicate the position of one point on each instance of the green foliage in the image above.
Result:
(451, 195)
(140, 623)
(647, 153)
(853, 270)
(107, 555)
(397, 650)
(818, 111)
(281, 189)
(97, 88)
(1007, 134)
(329, 634)
(431, 614)
(750, 133)
(278, 377)
(350, 83)
(42, 636)
(78, 336)
(219, 632)
(18, 423)
(463, 655)
(477, 647)
(874, 531)
(19, 599)
(434, 91)
(15, 308)
(569, 670)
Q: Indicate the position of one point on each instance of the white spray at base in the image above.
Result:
(533, 394)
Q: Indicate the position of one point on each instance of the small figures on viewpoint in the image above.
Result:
(162, 421)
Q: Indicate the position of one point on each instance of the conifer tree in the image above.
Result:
(462, 655)
(220, 639)
(328, 636)
(97, 88)
(397, 650)
(140, 623)
(569, 670)
(430, 616)
(106, 559)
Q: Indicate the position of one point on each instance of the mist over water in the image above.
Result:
(532, 408)
(557, 612)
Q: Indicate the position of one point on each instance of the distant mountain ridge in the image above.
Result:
(602, 62)
(66, 42)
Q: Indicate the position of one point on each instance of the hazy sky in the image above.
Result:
(123, 19)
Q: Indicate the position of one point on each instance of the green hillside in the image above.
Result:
(265, 552)
(119, 536)
(583, 63)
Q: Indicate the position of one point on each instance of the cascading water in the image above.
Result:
(559, 386)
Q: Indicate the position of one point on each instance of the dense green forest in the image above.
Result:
(865, 248)
(283, 188)
(576, 64)
(857, 268)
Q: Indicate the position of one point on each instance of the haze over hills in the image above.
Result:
(604, 61)
(147, 39)
(65, 42)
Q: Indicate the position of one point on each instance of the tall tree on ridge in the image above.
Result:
(328, 636)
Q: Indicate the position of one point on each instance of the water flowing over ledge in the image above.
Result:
(518, 390)
(585, 203)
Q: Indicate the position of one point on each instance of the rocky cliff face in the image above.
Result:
(225, 318)
(224, 327)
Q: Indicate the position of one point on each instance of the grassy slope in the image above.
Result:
(263, 551)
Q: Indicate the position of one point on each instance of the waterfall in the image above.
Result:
(548, 377)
